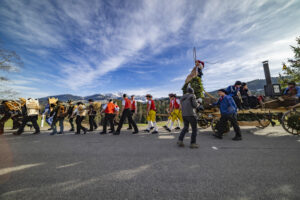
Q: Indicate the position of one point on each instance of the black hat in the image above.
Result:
(190, 90)
(110, 100)
(79, 103)
(238, 83)
(243, 84)
(222, 90)
(292, 83)
(124, 95)
(91, 100)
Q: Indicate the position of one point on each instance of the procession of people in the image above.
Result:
(181, 110)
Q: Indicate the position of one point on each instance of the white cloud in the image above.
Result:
(91, 39)
(180, 78)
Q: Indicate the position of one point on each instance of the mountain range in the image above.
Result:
(256, 86)
(95, 97)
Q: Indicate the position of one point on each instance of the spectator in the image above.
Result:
(189, 104)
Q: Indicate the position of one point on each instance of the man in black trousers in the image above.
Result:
(109, 110)
(126, 113)
(133, 109)
(69, 114)
(189, 105)
(92, 114)
(80, 113)
(228, 111)
(33, 119)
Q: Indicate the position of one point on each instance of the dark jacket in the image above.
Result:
(232, 90)
(297, 91)
(92, 111)
(227, 105)
(244, 92)
(188, 104)
(24, 111)
(70, 111)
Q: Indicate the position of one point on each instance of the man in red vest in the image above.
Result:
(126, 113)
(109, 109)
(175, 110)
(151, 114)
(133, 110)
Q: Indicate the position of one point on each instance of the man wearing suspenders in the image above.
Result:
(126, 113)
(109, 109)
(151, 114)
(133, 110)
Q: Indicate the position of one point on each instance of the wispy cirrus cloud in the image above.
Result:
(88, 47)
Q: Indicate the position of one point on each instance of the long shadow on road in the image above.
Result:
(262, 166)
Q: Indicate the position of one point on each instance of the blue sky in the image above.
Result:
(143, 46)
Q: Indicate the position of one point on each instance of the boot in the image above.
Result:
(17, 133)
(237, 138)
(180, 143)
(37, 132)
(194, 146)
(218, 136)
(154, 132)
(117, 132)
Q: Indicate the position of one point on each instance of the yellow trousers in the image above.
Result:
(151, 116)
(176, 114)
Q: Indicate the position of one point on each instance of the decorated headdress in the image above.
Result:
(52, 100)
(22, 101)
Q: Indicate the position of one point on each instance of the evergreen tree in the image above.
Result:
(196, 84)
(291, 72)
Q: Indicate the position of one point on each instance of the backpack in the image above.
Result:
(32, 106)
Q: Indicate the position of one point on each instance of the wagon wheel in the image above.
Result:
(291, 122)
(203, 122)
(215, 125)
(263, 123)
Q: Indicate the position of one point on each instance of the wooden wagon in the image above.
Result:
(269, 113)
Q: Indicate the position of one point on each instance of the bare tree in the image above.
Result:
(10, 62)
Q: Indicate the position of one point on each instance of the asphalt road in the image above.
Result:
(265, 165)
